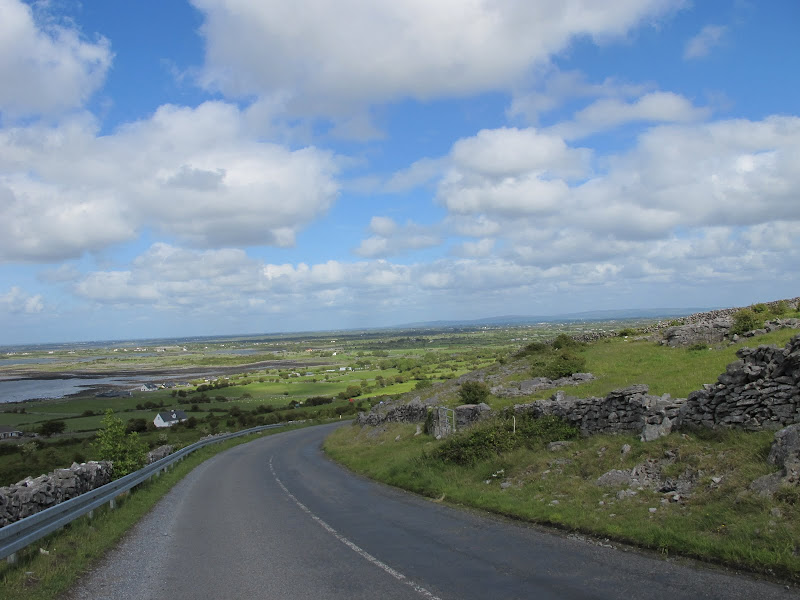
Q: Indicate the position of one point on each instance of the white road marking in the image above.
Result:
(360, 551)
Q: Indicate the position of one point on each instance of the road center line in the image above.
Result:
(358, 550)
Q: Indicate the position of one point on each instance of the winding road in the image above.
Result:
(275, 518)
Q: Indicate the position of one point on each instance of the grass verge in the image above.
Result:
(719, 521)
(72, 550)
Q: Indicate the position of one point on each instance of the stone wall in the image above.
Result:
(32, 495)
(761, 390)
(413, 412)
(627, 410)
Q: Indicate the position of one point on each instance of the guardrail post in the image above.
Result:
(112, 504)
(12, 558)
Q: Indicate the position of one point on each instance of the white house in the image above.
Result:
(9, 432)
(169, 418)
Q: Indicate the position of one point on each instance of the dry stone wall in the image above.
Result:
(628, 410)
(32, 495)
(413, 412)
(759, 391)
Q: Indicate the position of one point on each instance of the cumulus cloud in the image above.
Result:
(510, 172)
(46, 67)
(390, 239)
(514, 183)
(193, 173)
(701, 44)
(17, 301)
(334, 56)
(571, 264)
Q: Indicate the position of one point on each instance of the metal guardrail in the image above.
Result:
(18, 535)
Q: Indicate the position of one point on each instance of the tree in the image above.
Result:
(473, 392)
(126, 451)
(49, 428)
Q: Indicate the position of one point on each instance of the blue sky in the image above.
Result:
(227, 166)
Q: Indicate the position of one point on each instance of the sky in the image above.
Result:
(216, 167)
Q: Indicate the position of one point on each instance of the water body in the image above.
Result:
(31, 389)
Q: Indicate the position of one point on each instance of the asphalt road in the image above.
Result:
(275, 518)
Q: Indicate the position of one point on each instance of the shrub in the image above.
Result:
(565, 341)
(627, 331)
(497, 436)
(780, 308)
(139, 425)
(318, 401)
(555, 365)
(473, 392)
(534, 348)
(745, 320)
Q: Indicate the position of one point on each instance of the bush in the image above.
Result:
(473, 392)
(555, 365)
(780, 308)
(745, 320)
(318, 401)
(497, 436)
(565, 341)
(138, 425)
(534, 348)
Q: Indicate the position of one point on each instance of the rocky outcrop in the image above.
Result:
(527, 387)
(759, 391)
(709, 331)
(650, 475)
(785, 454)
(32, 495)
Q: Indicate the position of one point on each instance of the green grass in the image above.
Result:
(73, 549)
(718, 522)
(618, 363)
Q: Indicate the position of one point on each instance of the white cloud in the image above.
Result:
(391, 239)
(46, 67)
(555, 87)
(701, 44)
(196, 174)
(17, 301)
(607, 113)
(478, 249)
(333, 58)
(510, 172)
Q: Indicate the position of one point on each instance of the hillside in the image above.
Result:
(699, 492)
